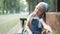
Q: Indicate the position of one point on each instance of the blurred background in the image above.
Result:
(12, 10)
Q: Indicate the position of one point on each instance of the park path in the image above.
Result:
(7, 18)
(15, 29)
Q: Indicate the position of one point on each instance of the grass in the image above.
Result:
(7, 26)
(55, 32)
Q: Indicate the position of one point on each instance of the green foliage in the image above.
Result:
(30, 1)
(55, 32)
(1, 4)
(10, 5)
(23, 6)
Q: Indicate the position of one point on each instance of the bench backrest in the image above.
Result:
(53, 19)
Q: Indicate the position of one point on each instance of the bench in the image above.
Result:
(23, 20)
(53, 19)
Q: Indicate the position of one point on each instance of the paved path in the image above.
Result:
(7, 18)
(15, 29)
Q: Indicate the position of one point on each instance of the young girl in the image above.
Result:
(36, 20)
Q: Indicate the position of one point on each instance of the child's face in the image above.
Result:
(40, 11)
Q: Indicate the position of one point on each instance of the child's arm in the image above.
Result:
(28, 28)
(28, 24)
(47, 27)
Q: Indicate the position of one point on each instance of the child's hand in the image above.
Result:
(46, 32)
(30, 32)
(48, 29)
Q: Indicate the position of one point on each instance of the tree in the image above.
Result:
(22, 6)
(32, 4)
(10, 6)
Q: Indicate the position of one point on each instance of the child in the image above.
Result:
(36, 22)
